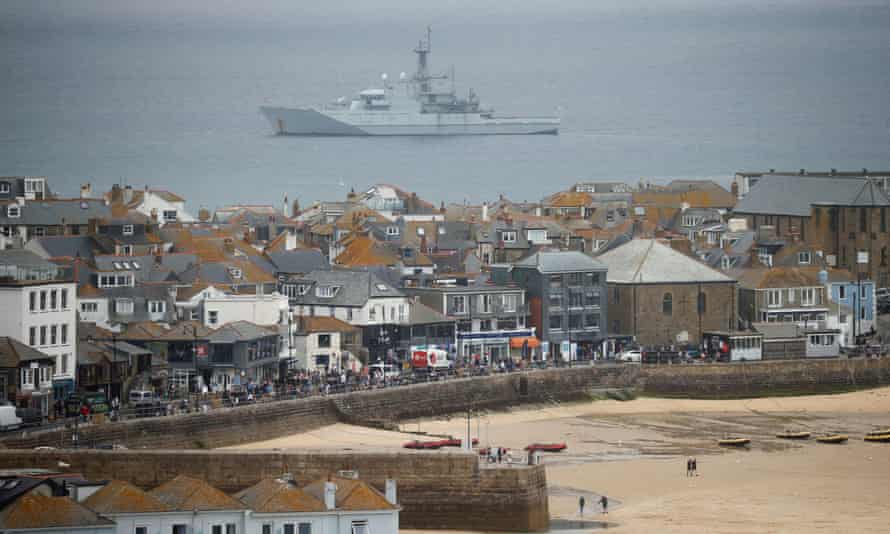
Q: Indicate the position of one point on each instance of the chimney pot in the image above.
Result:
(391, 492)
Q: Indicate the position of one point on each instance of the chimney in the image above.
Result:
(803, 172)
(735, 189)
(391, 493)
(864, 171)
(117, 196)
(833, 171)
(128, 194)
(442, 208)
(330, 495)
(284, 206)
(86, 191)
(485, 212)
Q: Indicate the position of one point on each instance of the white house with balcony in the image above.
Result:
(39, 302)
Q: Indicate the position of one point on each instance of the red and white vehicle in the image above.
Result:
(430, 359)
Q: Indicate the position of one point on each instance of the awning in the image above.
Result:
(519, 342)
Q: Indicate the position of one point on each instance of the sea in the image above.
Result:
(166, 93)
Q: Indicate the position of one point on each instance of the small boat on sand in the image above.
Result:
(880, 432)
(789, 434)
(546, 447)
(878, 438)
(832, 438)
(422, 445)
(730, 441)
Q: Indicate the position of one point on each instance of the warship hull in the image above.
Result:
(313, 122)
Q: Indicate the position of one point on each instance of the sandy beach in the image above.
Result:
(635, 452)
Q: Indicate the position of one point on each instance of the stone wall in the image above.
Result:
(437, 490)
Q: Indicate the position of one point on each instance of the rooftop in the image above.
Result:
(35, 511)
(188, 494)
(648, 261)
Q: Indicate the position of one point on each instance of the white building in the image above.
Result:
(164, 206)
(39, 301)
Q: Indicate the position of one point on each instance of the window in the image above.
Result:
(592, 320)
(89, 307)
(556, 322)
(508, 236)
(591, 298)
(169, 215)
(348, 314)
(124, 306)
(863, 291)
(485, 325)
(459, 304)
(616, 296)
(804, 258)
(127, 229)
(43, 301)
(32, 336)
(267, 528)
(4, 187)
(141, 529)
(216, 529)
(157, 306)
(64, 294)
(212, 317)
(53, 334)
(179, 529)
(360, 527)
(508, 302)
(702, 303)
(64, 334)
(667, 304)
(32, 301)
(326, 292)
(863, 219)
(13, 212)
(555, 300)
(485, 303)
(841, 292)
(43, 335)
(555, 280)
(290, 529)
(807, 296)
(574, 321)
(774, 298)
(63, 363)
(372, 313)
(304, 528)
(54, 300)
(592, 279)
(39, 231)
(126, 250)
(392, 230)
(324, 341)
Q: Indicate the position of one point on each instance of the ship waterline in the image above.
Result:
(415, 105)
(311, 122)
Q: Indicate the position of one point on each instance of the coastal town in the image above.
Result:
(134, 304)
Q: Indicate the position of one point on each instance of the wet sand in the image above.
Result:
(635, 452)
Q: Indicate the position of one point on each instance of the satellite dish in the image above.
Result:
(384, 76)
(402, 75)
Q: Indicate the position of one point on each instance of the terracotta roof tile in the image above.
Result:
(35, 511)
(351, 495)
(325, 324)
(364, 251)
(188, 494)
(570, 199)
(272, 496)
(121, 497)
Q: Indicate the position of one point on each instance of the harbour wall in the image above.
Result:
(252, 423)
(437, 490)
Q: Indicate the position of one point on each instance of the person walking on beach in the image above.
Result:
(604, 501)
(689, 467)
(581, 504)
(694, 467)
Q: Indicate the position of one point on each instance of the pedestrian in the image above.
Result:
(604, 501)
(694, 467)
(689, 467)
(500, 454)
(581, 504)
(84, 412)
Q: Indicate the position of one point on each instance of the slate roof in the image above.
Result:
(240, 331)
(783, 277)
(794, 195)
(52, 212)
(298, 261)
(69, 246)
(40, 512)
(647, 261)
(118, 497)
(24, 258)
(423, 314)
(188, 494)
(273, 496)
(356, 287)
(560, 261)
(351, 495)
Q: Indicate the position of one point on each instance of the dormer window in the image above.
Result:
(725, 262)
(326, 292)
(804, 258)
(392, 230)
(236, 273)
(382, 287)
(128, 229)
(4, 188)
(14, 212)
(508, 236)
(302, 289)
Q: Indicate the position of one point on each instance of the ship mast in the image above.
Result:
(422, 75)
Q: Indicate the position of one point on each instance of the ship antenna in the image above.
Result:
(429, 38)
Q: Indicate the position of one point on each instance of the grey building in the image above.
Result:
(566, 293)
(491, 318)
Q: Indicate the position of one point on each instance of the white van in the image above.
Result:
(8, 419)
(631, 356)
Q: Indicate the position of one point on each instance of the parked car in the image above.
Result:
(631, 356)
(384, 370)
(145, 403)
(8, 418)
(30, 416)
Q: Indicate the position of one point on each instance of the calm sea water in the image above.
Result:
(166, 93)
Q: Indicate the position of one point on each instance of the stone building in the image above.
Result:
(661, 296)
(845, 218)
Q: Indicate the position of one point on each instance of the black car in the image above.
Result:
(30, 416)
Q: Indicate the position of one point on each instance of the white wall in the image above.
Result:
(152, 201)
(18, 319)
(263, 310)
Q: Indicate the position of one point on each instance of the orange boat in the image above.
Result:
(546, 447)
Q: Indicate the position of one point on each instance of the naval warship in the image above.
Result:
(414, 106)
